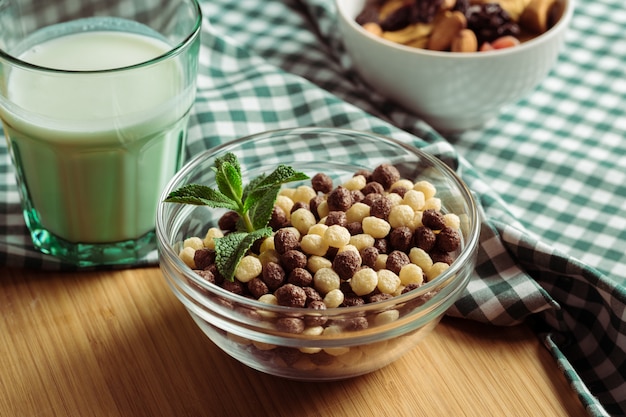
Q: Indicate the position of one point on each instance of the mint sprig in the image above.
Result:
(254, 204)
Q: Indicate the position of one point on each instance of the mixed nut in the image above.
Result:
(459, 25)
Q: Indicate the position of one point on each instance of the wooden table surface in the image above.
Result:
(120, 344)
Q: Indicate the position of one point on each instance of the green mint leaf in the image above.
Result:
(228, 177)
(231, 248)
(282, 174)
(201, 195)
(261, 212)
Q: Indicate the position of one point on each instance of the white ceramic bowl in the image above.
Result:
(450, 91)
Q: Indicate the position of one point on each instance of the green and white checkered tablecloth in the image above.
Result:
(549, 171)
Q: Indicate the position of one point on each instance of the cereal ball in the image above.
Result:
(401, 215)
(373, 187)
(311, 320)
(437, 269)
(400, 191)
(285, 203)
(299, 205)
(186, 255)
(432, 203)
(376, 227)
(300, 277)
(452, 220)
(257, 287)
(249, 267)
(292, 325)
(415, 199)
(322, 183)
(382, 245)
(378, 296)
(336, 236)
(304, 193)
(388, 281)
(386, 175)
(357, 212)
(228, 221)
(311, 295)
(339, 199)
(364, 281)
(273, 275)
(193, 242)
(314, 245)
(267, 244)
(236, 287)
(433, 219)
(448, 240)
(361, 241)
(355, 228)
(381, 208)
(368, 256)
(326, 280)
(269, 255)
(290, 295)
(336, 217)
(346, 264)
(396, 260)
(420, 258)
(411, 274)
(323, 209)
(284, 240)
(314, 204)
(352, 300)
(401, 238)
(293, 259)
(357, 182)
(279, 218)
(370, 198)
(204, 257)
(316, 262)
(302, 220)
(439, 256)
(425, 187)
(333, 298)
(357, 196)
(381, 261)
(211, 234)
(424, 238)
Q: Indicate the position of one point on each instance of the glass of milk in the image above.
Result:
(94, 103)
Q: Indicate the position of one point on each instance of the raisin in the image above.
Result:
(489, 21)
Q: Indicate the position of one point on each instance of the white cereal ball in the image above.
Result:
(362, 241)
(394, 199)
(420, 258)
(432, 203)
(314, 245)
(402, 215)
(437, 269)
(411, 274)
(349, 247)
(322, 209)
(285, 203)
(211, 234)
(386, 317)
(415, 199)
(186, 255)
(268, 299)
(425, 187)
(287, 192)
(302, 219)
(267, 244)
(315, 263)
(249, 267)
(357, 212)
(304, 194)
(452, 221)
(377, 228)
(336, 236)
(333, 298)
(417, 219)
(364, 281)
(381, 261)
(268, 256)
(388, 281)
(326, 280)
(193, 242)
(317, 229)
(402, 183)
(330, 331)
(263, 345)
(355, 183)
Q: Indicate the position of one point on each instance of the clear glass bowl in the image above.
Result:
(244, 328)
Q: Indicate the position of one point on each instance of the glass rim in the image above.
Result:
(173, 51)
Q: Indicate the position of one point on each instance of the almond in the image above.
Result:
(446, 29)
(464, 41)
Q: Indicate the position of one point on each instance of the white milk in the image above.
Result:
(97, 149)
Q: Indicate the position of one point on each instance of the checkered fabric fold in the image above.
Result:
(278, 64)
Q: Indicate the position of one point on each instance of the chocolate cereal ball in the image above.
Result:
(322, 183)
(386, 175)
(339, 199)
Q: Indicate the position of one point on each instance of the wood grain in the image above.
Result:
(118, 343)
